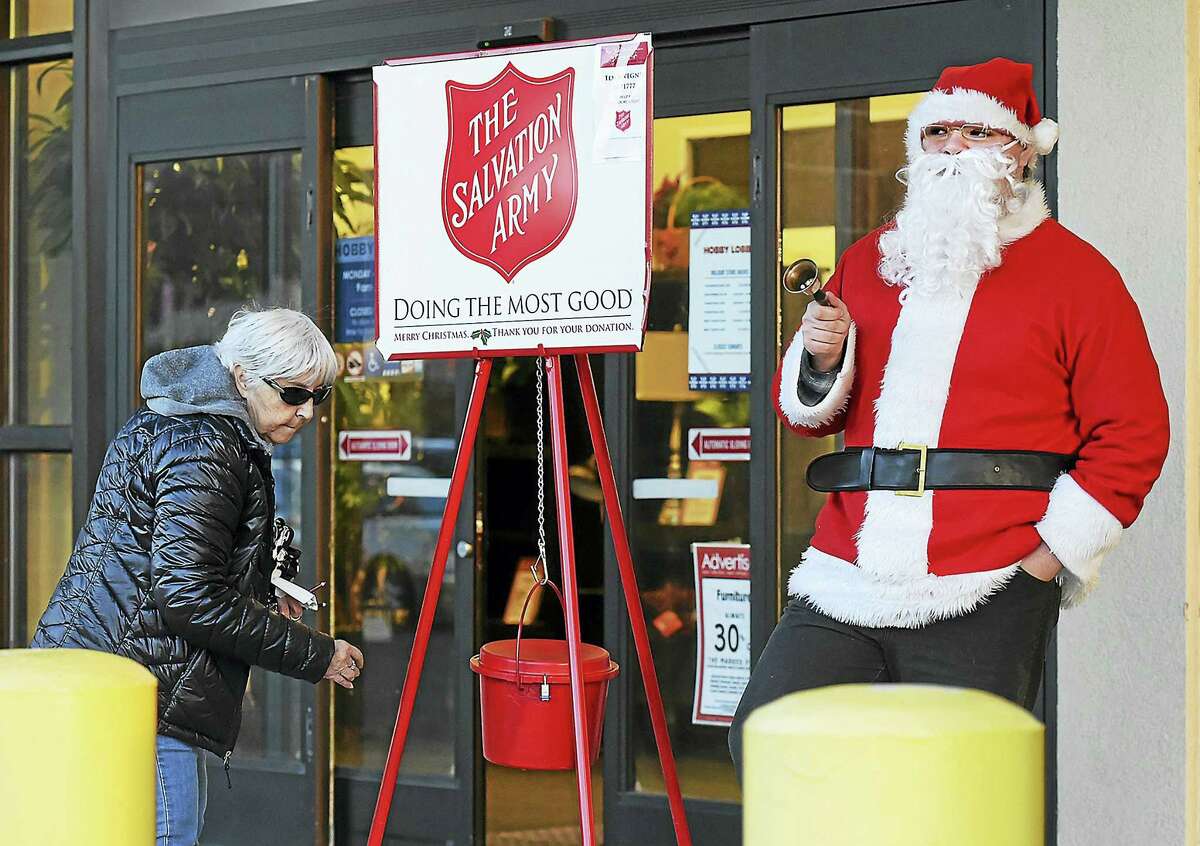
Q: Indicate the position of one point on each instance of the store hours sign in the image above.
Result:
(512, 200)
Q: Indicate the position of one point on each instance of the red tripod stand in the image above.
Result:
(612, 505)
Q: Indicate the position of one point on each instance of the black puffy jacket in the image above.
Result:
(173, 567)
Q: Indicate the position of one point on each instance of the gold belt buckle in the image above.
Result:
(920, 490)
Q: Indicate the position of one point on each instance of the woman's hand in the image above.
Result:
(290, 608)
(346, 664)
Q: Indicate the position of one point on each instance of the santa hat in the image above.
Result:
(998, 93)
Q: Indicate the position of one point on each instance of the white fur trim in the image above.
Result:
(1016, 225)
(1045, 136)
(1080, 532)
(893, 540)
(968, 106)
(826, 410)
(847, 593)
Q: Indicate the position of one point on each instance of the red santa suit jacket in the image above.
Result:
(1048, 353)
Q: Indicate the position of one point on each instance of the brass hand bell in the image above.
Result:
(804, 277)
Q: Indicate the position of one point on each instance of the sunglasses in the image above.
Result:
(973, 132)
(299, 396)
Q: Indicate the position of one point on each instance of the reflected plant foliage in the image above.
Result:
(383, 542)
(48, 153)
(353, 196)
(216, 233)
(41, 122)
(213, 234)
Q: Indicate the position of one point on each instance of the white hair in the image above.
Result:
(277, 343)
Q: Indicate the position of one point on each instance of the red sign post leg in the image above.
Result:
(562, 498)
(633, 602)
(433, 588)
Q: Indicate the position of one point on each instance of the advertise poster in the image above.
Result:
(722, 630)
(512, 200)
(719, 301)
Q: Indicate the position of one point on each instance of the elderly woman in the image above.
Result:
(173, 565)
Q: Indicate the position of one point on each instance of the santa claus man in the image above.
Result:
(1002, 412)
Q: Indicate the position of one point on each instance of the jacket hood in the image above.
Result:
(192, 380)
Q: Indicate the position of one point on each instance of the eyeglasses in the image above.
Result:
(972, 133)
(299, 396)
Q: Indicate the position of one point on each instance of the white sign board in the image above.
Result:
(719, 301)
(513, 201)
(722, 630)
(375, 445)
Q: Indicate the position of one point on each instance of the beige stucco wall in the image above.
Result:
(1122, 657)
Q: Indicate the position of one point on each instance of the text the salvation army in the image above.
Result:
(506, 164)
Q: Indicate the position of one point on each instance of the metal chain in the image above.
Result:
(541, 473)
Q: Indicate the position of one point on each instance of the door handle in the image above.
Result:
(464, 549)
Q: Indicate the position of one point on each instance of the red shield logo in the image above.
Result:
(624, 120)
(511, 181)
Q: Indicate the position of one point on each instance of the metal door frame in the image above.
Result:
(425, 807)
(889, 51)
(694, 75)
(193, 123)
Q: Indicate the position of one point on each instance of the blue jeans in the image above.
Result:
(182, 792)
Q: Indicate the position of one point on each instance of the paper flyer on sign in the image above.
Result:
(498, 232)
(722, 573)
(719, 301)
(620, 94)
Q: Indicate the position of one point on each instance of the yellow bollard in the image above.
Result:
(77, 734)
(893, 765)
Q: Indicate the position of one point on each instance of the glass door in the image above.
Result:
(679, 425)
(828, 146)
(220, 215)
(682, 495)
(828, 140)
(396, 431)
(837, 164)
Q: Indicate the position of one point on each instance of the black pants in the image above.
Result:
(999, 647)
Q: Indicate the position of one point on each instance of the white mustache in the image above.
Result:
(992, 163)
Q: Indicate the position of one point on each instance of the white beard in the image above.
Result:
(947, 233)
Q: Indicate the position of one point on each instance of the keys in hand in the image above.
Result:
(346, 665)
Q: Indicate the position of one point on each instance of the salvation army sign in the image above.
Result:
(515, 205)
(512, 200)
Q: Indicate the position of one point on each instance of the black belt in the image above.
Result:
(912, 470)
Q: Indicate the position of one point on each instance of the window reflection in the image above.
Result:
(216, 233)
(38, 17)
(38, 486)
(838, 164)
(701, 165)
(385, 522)
(41, 235)
(213, 234)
